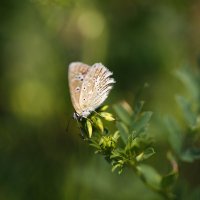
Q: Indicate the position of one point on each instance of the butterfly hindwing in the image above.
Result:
(76, 76)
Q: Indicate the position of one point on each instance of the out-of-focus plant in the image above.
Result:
(129, 145)
(184, 139)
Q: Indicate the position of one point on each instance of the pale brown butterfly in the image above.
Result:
(89, 87)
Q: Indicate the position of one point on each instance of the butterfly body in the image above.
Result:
(89, 87)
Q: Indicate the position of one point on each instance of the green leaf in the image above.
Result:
(191, 154)
(115, 167)
(123, 113)
(138, 108)
(145, 154)
(149, 175)
(116, 154)
(116, 135)
(155, 181)
(123, 130)
(190, 116)
(141, 123)
(188, 77)
(136, 143)
(175, 136)
(168, 180)
(95, 146)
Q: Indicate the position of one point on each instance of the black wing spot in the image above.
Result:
(78, 89)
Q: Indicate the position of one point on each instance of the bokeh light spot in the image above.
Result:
(31, 99)
(91, 24)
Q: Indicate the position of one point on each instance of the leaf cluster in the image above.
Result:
(184, 139)
(129, 145)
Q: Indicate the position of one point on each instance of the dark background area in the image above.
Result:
(140, 41)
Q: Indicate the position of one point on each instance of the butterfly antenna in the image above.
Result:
(97, 113)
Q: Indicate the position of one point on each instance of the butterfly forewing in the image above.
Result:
(76, 76)
(103, 86)
(96, 87)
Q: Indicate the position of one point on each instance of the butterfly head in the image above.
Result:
(82, 115)
(77, 117)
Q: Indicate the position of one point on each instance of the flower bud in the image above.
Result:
(107, 116)
(103, 108)
(89, 128)
(98, 123)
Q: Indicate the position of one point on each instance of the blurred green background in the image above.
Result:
(139, 40)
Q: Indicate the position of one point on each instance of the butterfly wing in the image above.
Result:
(95, 88)
(76, 75)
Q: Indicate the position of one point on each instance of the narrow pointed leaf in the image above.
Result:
(189, 79)
(189, 114)
(122, 113)
(138, 109)
(142, 122)
(145, 154)
(123, 130)
(175, 136)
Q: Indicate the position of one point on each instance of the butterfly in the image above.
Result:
(89, 87)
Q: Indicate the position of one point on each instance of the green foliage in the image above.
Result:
(124, 112)
(175, 135)
(129, 146)
(191, 80)
(158, 183)
(123, 130)
(189, 115)
(139, 40)
(184, 138)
